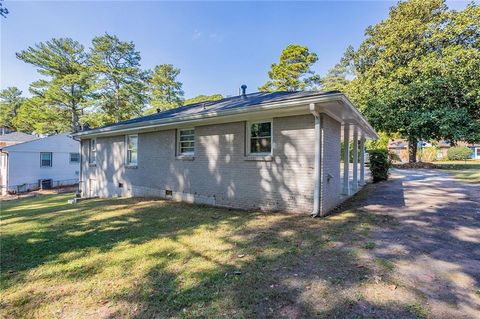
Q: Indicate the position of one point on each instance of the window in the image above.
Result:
(186, 142)
(74, 158)
(259, 138)
(45, 159)
(132, 150)
(92, 151)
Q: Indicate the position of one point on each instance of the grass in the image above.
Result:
(126, 258)
(468, 164)
(471, 176)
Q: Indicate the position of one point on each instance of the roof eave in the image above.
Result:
(221, 115)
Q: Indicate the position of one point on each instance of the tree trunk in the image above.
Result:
(412, 149)
(75, 121)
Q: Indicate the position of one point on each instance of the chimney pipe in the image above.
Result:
(244, 90)
(158, 110)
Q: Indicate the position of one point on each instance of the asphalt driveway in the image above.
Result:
(434, 240)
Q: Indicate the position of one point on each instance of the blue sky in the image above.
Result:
(217, 45)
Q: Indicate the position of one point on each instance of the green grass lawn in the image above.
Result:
(471, 176)
(126, 258)
(469, 164)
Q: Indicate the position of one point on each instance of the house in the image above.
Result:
(400, 147)
(43, 162)
(13, 138)
(272, 151)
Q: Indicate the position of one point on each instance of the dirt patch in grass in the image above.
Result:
(128, 258)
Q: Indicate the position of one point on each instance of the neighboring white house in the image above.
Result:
(52, 160)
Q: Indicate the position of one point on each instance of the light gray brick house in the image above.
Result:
(272, 151)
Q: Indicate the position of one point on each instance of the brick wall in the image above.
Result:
(220, 173)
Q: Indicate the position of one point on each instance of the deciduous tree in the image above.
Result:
(203, 98)
(418, 71)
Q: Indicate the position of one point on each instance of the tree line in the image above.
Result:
(102, 85)
(416, 75)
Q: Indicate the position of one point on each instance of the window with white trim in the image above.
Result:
(132, 150)
(259, 138)
(92, 151)
(74, 158)
(186, 142)
(46, 159)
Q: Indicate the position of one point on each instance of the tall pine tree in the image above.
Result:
(120, 83)
(293, 72)
(67, 85)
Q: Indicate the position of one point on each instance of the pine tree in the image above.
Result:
(293, 71)
(165, 90)
(68, 84)
(121, 90)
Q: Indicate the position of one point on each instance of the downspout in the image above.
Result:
(81, 187)
(317, 162)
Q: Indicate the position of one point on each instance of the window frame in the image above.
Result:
(92, 160)
(127, 150)
(179, 142)
(74, 162)
(248, 136)
(41, 160)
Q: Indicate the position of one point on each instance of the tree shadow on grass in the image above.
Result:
(177, 260)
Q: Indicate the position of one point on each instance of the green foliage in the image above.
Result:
(339, 76)
(459, 153)
(203, 98)
(381, 142)
(68, 86)
(427, 154)
(418, 73)
(35, 115)
(379, 164)
(165, 90)
(293, 71)
(120, 90)
(10, 101)
(3, 10)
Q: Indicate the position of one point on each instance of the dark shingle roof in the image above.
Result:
(17, 137)
(229, 103)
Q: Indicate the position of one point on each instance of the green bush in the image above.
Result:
(379, 164)
(459, 153)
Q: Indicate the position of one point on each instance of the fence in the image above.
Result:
(55, 187)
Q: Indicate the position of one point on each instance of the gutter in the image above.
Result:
(318, 177)
(214, 114)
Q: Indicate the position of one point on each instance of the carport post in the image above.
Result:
(346, 159)
(362, 161)
(355, 160)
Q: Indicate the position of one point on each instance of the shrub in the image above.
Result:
(427, 154)
(459, 153)
(379, 164)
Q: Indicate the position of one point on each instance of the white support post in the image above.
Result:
(362, 161)
(355, 160)
(346, 159)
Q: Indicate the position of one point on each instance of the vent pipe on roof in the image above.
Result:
(244, 91)
(158, 110)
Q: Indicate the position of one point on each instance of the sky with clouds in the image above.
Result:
(217, 45)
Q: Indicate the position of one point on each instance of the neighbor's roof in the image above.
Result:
(229, 103)
(18, 137)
